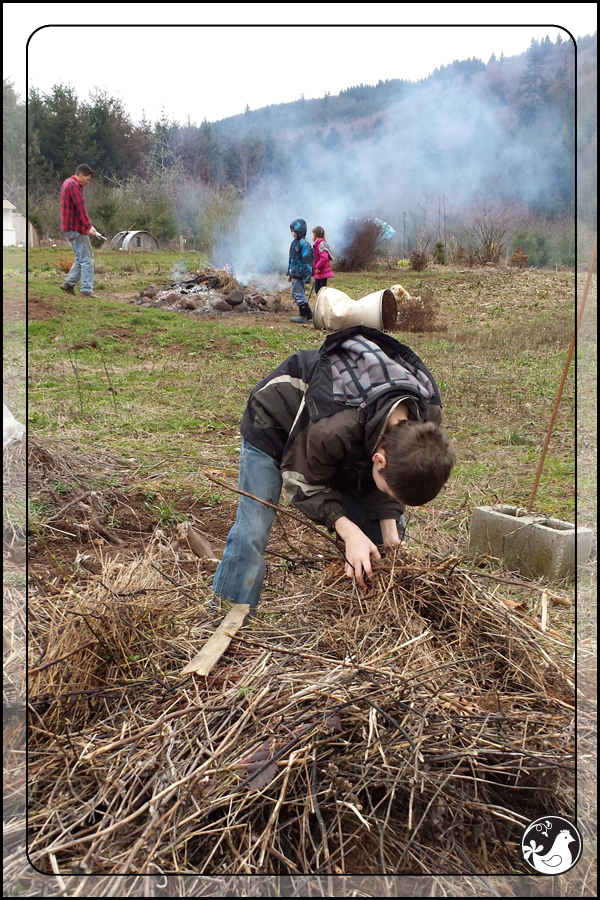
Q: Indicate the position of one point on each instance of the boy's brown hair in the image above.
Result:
(318, 231)
(84, 169)
(420, 458)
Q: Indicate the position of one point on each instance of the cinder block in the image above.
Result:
(533, 545)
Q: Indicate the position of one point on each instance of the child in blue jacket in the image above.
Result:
(299, 270)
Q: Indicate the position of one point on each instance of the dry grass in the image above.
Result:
(65, 263)
(418, 314)
(217, 279)
(13, 491)
(413, 728)
(419, 260)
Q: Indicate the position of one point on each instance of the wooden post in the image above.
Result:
(218, 643)
(181, 242)
(563, 379)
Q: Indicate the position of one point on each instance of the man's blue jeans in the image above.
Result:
(241, 572)
(83, 266)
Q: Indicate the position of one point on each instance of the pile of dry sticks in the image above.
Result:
(412, 728)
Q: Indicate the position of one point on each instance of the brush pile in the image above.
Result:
(412, 728)
(362, 243)
(416, 314)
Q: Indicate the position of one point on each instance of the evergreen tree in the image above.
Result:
(245, 161)
(62, 130)
(100, 135)
(533, 88)
(162, 142)
(563, 93)
(333, 140)
(110, 135)
(210, 157)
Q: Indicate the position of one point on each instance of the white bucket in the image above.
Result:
(335, 310)
(13, 430)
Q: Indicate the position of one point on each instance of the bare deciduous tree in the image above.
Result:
(423, 230)
(490, 226)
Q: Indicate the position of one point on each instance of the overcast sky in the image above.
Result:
(212, 70)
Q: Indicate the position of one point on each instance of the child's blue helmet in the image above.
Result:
(299, 226)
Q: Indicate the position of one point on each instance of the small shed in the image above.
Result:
(9, 238)
(26, 232)
(134, 240)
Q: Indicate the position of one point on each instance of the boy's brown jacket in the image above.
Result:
(322, 412)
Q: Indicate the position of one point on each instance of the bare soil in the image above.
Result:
(131, 524)
(15, 310)
(72, 542)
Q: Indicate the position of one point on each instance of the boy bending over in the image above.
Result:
(352, 433)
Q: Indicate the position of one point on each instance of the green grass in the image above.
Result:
(116, 268)
(155, 383)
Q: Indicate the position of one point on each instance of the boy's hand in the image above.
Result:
(359, 550)
(289, 277)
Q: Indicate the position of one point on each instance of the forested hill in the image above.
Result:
(530, 94)
(502, 129)
(525, 84)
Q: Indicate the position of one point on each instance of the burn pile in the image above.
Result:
(209, 292)
(408, 729)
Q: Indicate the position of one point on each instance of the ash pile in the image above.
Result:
(209, 292)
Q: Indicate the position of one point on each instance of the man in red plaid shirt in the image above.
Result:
(77, 226)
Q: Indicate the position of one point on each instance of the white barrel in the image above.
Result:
(13, 430)
(335, 310)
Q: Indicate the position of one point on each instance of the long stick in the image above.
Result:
(58, 659)
(562, 381)
(279, 509)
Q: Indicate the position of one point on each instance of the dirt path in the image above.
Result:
(14, 310)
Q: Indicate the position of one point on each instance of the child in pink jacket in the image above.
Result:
(322, 257)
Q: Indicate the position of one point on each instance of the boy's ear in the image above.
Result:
(380, 458)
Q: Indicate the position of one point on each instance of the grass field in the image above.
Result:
(158, 386)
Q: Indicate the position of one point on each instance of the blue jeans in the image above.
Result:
(241, 572)
(83, 266)
(298, 292)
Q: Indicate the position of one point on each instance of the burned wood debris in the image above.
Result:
(209, 292)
